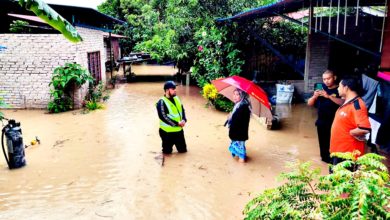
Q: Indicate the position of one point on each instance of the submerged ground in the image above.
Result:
(102, 165)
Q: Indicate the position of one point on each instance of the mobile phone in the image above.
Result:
(318, 86)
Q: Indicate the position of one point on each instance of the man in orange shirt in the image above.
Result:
(351, 122)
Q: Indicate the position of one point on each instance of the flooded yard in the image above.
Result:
(102, 165)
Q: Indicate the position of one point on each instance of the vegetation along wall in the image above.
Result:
(27, 62)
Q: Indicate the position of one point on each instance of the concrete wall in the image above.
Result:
(27, 64)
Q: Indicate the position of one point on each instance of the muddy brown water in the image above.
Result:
(102, 165)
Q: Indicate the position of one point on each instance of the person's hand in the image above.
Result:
(358, 134)
(323, 94)
(359, 137)
(182, 123)
(316, 93)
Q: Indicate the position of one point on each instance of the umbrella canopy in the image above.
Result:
(259, 100)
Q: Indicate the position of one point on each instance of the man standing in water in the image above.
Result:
(351, 122)
(327, 100)
(172, 120)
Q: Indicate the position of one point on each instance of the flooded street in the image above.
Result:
(102, 165)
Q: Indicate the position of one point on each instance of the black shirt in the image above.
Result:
(326, 107)
(239, 124)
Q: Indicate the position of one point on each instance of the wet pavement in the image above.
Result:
(106, 165)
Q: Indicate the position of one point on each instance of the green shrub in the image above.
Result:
(216, 57)
(91, 105)
(221, 103)
(95, 95)
(64, 80)
(362, 194)
(59, 103)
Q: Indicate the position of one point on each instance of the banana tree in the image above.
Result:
(46, 13)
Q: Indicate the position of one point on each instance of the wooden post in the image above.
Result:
(110, 40)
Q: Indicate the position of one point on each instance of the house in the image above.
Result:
(356, 43)
(345, 44)
(27, 60)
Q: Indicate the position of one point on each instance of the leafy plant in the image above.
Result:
(64, 79)
(95, 95)
(19, 26)
(210, 93)
(223, 104)
(361, 194)
(216, 57)
(91, 105)
(51, 17)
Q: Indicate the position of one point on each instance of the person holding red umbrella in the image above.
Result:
(238, 124)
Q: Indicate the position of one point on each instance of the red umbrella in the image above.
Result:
(259, 100)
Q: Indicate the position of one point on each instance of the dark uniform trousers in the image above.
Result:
(324, 141)
(173, 138)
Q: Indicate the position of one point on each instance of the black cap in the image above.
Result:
(169, 85)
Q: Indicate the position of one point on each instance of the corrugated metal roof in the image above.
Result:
(28, 17)
(287, 6)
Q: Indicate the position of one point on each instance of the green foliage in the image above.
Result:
(166, 28)
(95, 95)
(112, 8)
(91, 105)
(19, 26)
(167, 37)
(64, 80)
(46, 13)
(60, 103)
(210, 93)
(2, 105)
(216, 56)
(362, 194)
(287, 37)
(169, 31)
(223, 104)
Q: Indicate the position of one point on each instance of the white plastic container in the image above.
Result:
(284, 93)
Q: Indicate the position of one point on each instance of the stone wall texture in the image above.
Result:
(28, 62)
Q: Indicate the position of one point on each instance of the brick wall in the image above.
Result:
(317, 60)
(27, 64)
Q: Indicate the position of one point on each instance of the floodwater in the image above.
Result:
(102, 165)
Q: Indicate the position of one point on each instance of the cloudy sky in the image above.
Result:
(82, 3)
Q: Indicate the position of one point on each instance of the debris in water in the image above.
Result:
(59, 142)
(160, 159)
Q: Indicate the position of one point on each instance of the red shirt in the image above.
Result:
(349, 116)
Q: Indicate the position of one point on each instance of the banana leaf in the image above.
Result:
(46, 13)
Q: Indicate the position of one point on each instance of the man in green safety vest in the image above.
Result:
(172, 120)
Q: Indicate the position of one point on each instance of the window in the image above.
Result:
(94, 65)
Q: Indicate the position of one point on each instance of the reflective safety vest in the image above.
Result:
(175, 113)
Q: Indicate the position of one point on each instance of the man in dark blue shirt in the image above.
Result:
(327, 101)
